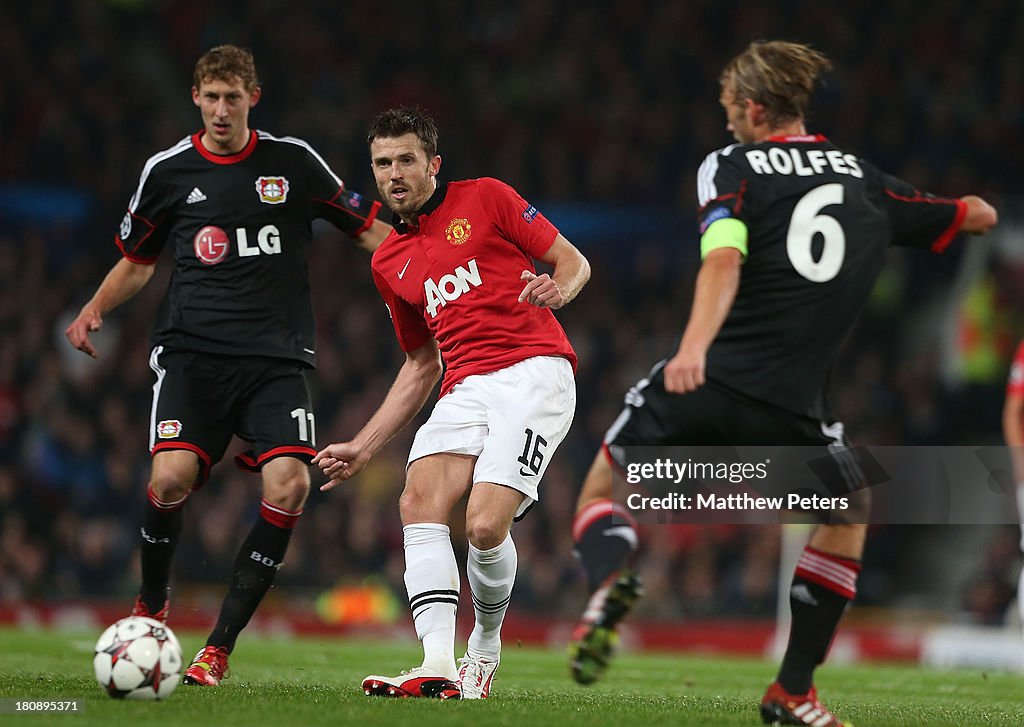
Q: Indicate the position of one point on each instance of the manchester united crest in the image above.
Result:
(458, 231)
(272, 190)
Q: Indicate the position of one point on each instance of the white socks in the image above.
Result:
(432, 582)
(492, 574)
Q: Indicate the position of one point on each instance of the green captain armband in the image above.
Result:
(726, 232)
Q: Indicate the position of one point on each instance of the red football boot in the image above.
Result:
(780, 707)
(209, 668)
(418, 682)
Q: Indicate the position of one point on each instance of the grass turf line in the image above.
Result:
(300, 682)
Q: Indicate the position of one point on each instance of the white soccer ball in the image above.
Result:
(138, 658)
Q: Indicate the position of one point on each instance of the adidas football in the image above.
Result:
(138, 658)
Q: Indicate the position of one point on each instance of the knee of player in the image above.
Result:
(170, 486)
(288, 493)
(414, 506)
(423, 502)
(485, 532)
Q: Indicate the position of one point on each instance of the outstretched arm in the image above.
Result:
(717, 283)
(123, 281)
(410, 390)
(571, 272)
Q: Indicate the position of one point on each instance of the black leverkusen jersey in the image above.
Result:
(240, 227)
(819, 221)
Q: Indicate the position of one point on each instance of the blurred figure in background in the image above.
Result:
(234, 337)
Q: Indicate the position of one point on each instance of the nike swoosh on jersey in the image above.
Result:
(401, 274)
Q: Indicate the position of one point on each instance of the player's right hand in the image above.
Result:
(78, 332)
(339, 462)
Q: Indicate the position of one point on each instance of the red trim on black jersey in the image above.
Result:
(247, 462)
(224, 158)
(738, 195)
(942, 242)
(798, 138)
(374, 210)
(367, 221)
(132, 257)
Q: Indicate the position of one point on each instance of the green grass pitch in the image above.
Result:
(315, 681)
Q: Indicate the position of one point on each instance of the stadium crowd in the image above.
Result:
(611, 106)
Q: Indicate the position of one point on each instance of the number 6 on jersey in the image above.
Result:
(807, 221)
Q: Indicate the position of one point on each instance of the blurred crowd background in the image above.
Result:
(599, 114)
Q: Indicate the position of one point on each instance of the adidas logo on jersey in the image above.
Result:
(195, 196)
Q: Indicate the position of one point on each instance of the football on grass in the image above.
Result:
(138, 658)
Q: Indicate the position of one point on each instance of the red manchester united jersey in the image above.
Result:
(1015, 384)
(456, 278)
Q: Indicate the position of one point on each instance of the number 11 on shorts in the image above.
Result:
(307, 432)
(532, 462)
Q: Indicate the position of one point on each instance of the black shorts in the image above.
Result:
(201, 399)
(713, 415)
(815, 454)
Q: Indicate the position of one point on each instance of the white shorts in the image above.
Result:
(512, 420)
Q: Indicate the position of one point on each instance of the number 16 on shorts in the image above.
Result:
(532, 457)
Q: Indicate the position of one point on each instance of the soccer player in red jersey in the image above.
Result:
(1013, 432)
(234, 338)
(458, 278)
(794, 231)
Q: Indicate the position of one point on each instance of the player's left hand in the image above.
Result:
(541, 291)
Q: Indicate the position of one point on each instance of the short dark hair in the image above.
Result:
(226, 63)
(405, 120)
(778, 75)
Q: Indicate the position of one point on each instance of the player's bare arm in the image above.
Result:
(571, 272)
(717, 283)
(374, 235)
(123, 281)
(981, 216)
(412, 385)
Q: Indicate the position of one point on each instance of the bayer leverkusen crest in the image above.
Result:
(272, 190)
(168, 429)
